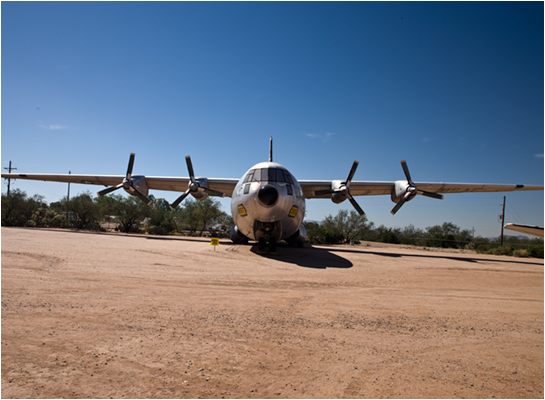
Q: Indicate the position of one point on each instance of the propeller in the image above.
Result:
(412, 190)
(193, 186)
(344, 190)
(127, 184)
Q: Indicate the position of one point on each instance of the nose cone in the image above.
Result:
(267, 195)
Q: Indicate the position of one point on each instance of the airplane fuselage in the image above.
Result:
(268, 205)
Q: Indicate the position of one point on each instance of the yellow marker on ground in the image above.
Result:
(215, 242)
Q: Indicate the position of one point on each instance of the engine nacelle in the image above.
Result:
(342, 193)
(399, 190)
(201, 194)
(138, 183)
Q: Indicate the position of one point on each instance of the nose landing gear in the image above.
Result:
(267, 232)
(262, 244)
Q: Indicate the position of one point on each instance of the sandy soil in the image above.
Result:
(108, 315)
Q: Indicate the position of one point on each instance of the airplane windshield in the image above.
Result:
(269, 175)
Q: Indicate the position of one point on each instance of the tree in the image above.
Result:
(161, 220)
(106, 204)
(447, 235)
(412, 235)
(315, 233)
(345, 227)
(17, 209)
(83, 212)
(387, 235)
(131, 211)
(201, 215)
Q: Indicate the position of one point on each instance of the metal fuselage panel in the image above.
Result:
(257, 215)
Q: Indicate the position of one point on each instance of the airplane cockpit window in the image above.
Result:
(269, 175)
(287, 177)
(249, 177)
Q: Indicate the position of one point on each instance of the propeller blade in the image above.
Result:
(127, 184)
(142, 197)
(190, 168)
(406, 171)
(431, 194)
(322, 192)
(401, 202)
(213, 192)
(352, 172)
(180, 199)
(412, 190)
(104, 192)
(129, 168)
(356, 205)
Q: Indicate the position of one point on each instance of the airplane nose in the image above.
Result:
(267, 195)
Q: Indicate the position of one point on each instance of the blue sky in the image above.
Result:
(455, 88)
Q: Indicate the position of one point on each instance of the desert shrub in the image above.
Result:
(503, 250)
(520, 253)
(536, 251)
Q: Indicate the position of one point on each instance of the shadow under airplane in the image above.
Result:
(317, 257)
(308, 256)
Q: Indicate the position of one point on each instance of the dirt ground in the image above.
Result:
(89, 315)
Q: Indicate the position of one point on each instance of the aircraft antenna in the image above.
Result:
(270, 150)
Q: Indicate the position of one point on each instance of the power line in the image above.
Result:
(512, 209)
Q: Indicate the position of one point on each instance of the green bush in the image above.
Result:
(520, 253)
(390, 237)
(503, 250)
(536, 251)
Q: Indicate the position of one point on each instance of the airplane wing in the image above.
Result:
(529, 229)
(175, 184)
(362, 188)
(227, 185)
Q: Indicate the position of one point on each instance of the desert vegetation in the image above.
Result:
(198, 218)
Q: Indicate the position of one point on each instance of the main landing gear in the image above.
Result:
(262, 244)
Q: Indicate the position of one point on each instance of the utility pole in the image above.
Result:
(9, 179)
(68, 197)
(502, 221)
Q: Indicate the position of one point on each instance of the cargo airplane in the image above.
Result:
(268, 203)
